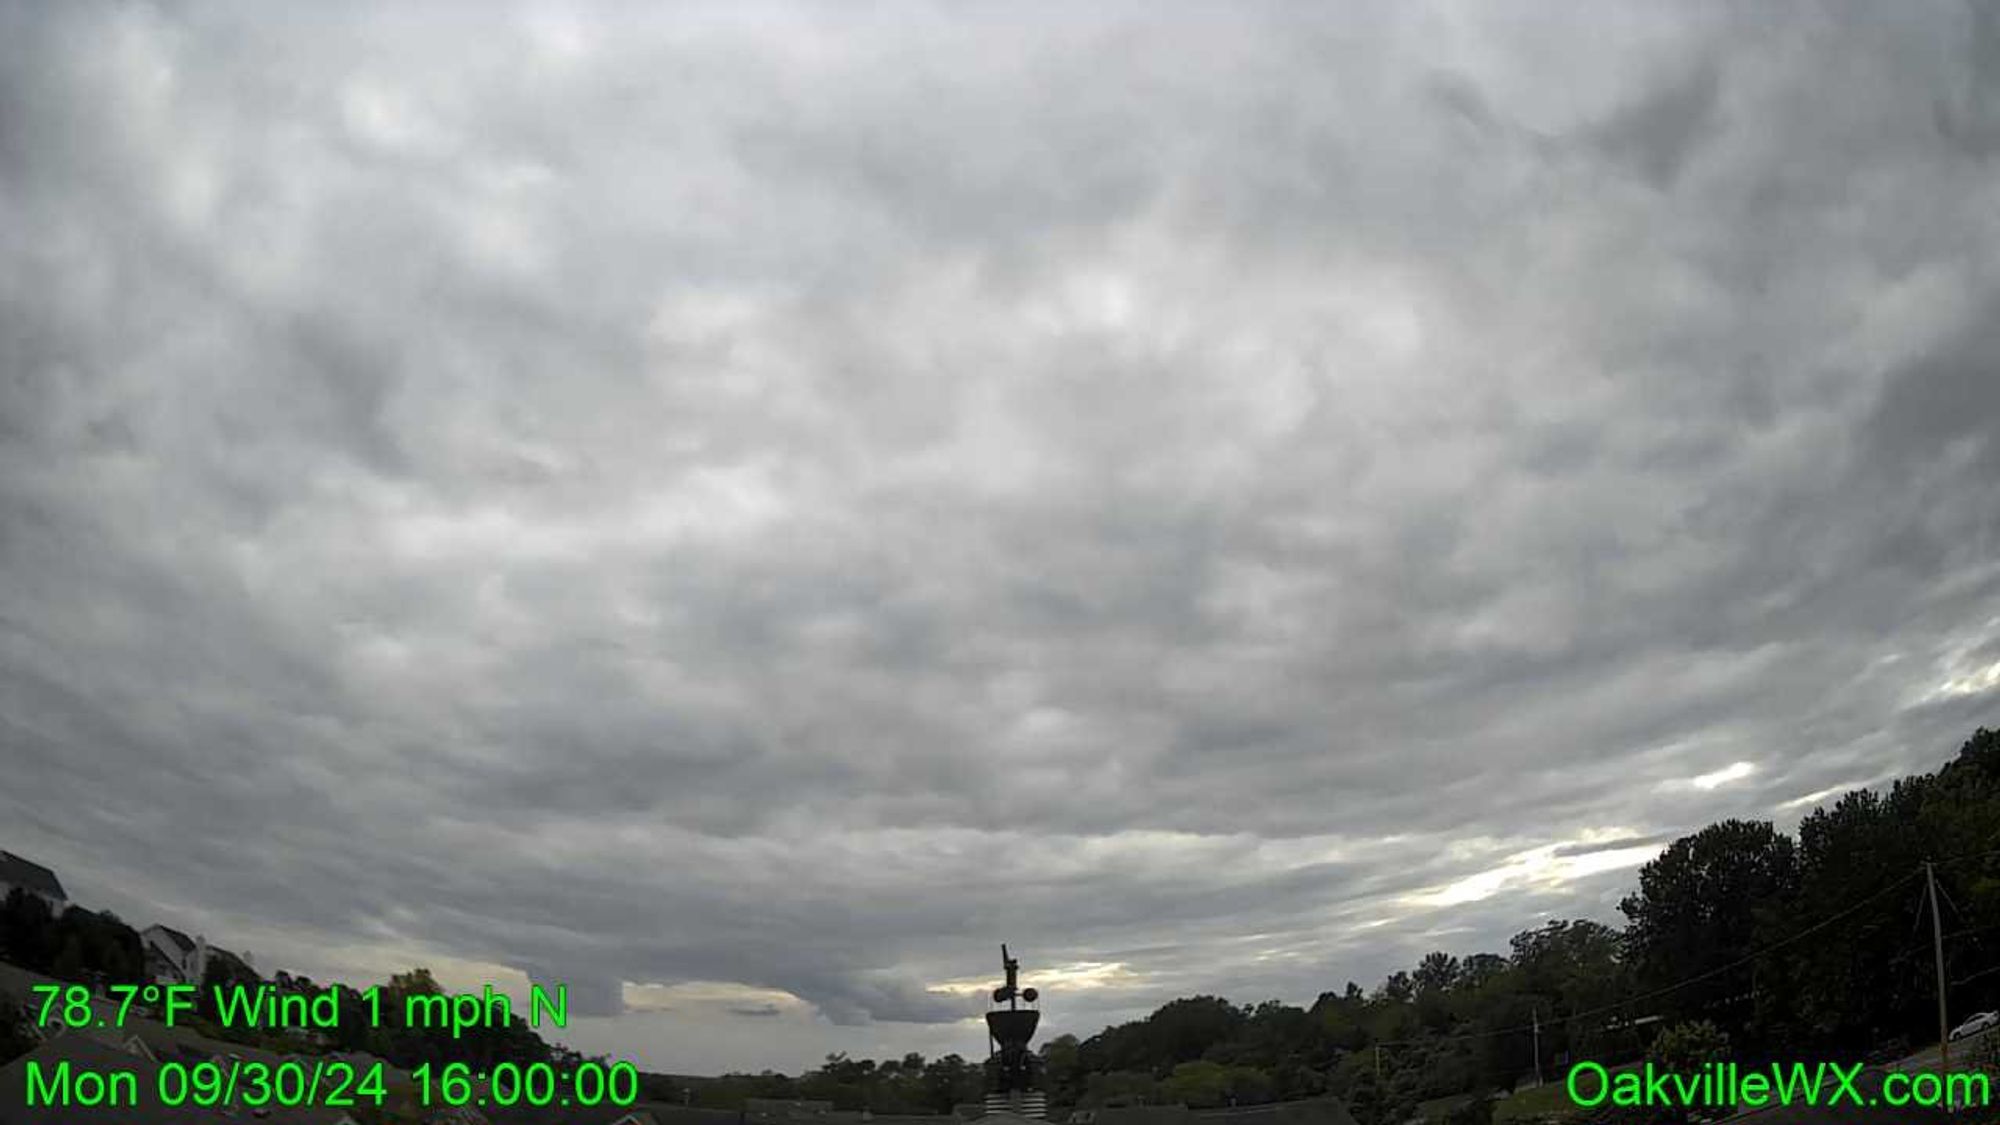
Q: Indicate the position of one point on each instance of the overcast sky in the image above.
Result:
(742, 510)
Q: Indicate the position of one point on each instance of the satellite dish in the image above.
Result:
(999, 994)
(1030, 995)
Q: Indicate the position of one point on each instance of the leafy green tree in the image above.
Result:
(1684, 1048)
(949, 1081)
(1437, 972)
(1480, 969)
(27, 931)
(1687, 1047)
(1184, 1030)
(223, 972)
(1062, 1069)
(69, 963)
(1121, 1087)
(1397, 988)
(1200, 1084)
(1707, 901)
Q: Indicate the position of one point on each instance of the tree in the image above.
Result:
(1200, 1084)
(950, 1080)
(1062, 1065)
(1684, 1048)
(1852, 985)
(1437, 972)
(69, 963)
(1183, 1030)
(416, 982)
(222, 973)
(1480, 968)
(1121, 1087)
(26, 930)
(1706, 901)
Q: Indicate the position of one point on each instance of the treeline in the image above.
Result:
(1779, 945)
(481, 1044)
(1776, 944)
(98, 949)
(909, 1085)
(79, 945)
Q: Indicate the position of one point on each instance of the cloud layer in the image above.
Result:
(741, 511)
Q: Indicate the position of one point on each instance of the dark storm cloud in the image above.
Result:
(1945, 397)
(759, 506)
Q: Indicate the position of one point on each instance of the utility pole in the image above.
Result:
(1937, 947)
(1378, 1065)
(1538, 1046)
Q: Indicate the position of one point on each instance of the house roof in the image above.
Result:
(180, 939)
(31, 875)
(218, 955)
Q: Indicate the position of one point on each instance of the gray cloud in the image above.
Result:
(783, 500)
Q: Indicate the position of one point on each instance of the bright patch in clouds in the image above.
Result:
(1075, 977)
(1542, 869)
(1735, 771)
(706, 995)
(1821, 796)
(1976, 682)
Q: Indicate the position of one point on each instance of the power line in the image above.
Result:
(1967, 857)
(1680, 984)
(1946, 896)
(1699, 977)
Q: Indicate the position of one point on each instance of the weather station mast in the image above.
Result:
(1011, 1068)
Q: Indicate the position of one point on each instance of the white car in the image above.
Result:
(1976, 1024)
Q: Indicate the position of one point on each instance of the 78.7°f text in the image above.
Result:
(268, 1007)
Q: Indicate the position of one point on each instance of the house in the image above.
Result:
(26, 875)
(172, 957)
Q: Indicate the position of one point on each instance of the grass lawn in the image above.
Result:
(1436, 1108)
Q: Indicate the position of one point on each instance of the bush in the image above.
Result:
(1687, 1047)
